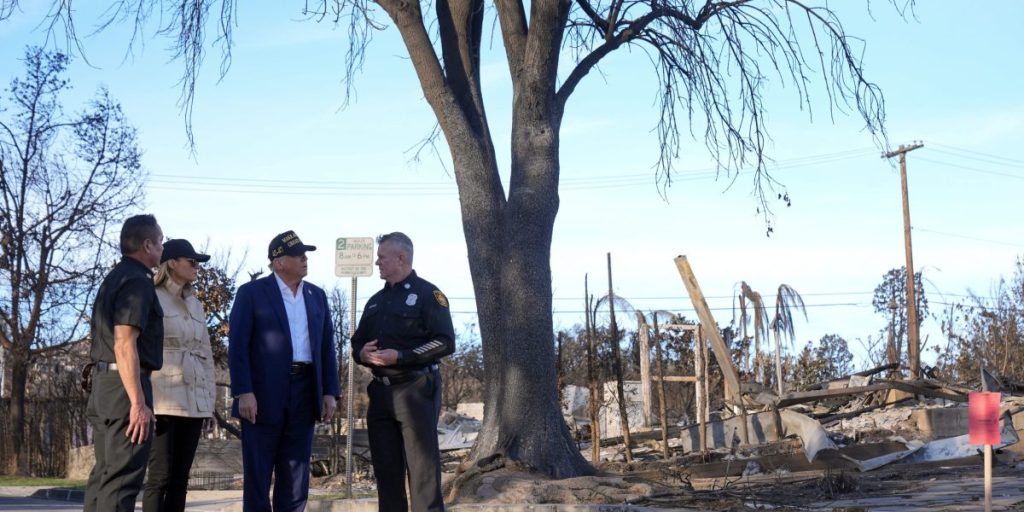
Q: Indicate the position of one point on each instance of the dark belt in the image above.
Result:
(301, 368)
(104, 366)
(391, 380)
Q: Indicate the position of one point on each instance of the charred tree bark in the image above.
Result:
(617, 366)
(595, 397)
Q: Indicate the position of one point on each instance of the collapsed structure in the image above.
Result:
(857, 423)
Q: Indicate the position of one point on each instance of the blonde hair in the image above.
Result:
(163, 273)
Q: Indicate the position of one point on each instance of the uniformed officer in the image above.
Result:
(127, 345)
(406, 328)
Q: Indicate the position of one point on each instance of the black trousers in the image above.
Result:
(116, 479)
(170, 461)
(402, 425)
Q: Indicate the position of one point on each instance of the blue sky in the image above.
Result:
(276, 152)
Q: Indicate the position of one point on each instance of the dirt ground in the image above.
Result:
(665, 484)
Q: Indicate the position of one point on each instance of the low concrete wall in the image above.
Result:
(941, 422)
(762, 427)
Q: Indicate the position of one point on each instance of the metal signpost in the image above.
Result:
(353, 257)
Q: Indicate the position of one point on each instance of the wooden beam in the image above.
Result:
(721, 350)
(813, 396)
(801, 397)
(677, 378)
(681, 327)
(645, 369)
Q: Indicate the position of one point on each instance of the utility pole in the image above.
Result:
(914, 341)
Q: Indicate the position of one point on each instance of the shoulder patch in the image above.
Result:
(441, 299)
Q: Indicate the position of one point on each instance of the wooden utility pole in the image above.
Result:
(914, 341)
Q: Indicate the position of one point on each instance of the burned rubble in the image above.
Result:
(881, 437)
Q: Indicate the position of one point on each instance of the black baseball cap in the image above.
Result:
(287, 244)
(181, 248)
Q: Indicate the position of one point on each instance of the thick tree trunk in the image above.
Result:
(18, 465)
(508, 238)
(522, 416)
(510, 261)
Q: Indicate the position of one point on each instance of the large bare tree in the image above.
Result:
(713, 61)
(66, 180)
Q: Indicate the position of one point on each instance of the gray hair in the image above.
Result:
(400, 240)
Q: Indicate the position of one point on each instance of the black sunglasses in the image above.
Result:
(194, 263)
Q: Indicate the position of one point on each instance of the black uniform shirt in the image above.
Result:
(127, 297)
(411, 317)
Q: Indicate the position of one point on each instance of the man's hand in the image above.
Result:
(247, 407)
(367, 350)
(328, 407)
(141, 423)
(371, 355)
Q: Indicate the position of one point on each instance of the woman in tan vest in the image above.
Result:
(184, 389)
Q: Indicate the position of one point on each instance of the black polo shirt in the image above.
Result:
(127, 297)
(412, 317)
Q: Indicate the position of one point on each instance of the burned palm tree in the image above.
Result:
(747, 297)
(786, 300)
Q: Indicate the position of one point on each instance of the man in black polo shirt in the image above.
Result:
(405, 330)
(127, 345)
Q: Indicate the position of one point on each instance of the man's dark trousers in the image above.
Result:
(120, 468)
(402, 427)
(282, 450)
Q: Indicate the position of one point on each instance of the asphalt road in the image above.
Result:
(35, 505)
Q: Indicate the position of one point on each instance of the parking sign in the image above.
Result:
(353, 257)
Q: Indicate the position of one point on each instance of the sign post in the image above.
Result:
(353, 257)
(983, 428)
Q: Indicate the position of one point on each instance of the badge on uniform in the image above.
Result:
(441, 299)
(410, 300)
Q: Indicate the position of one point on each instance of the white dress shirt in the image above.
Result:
(298, 324)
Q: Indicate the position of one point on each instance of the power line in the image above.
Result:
(808, 306)
(197, 183)
(973, 169)
(690, 309)
(968, 237)
(1012, 162)
(684, 298)
(979, 159)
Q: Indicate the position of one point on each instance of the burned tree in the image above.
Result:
(890, 299)
(714, 62)
(66, 181)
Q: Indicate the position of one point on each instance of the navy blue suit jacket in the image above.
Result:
(260, 347)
